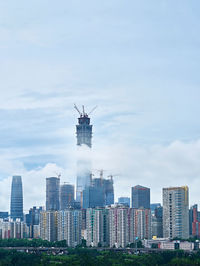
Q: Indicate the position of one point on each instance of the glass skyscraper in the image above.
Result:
(140, 197)
(16, 206)
(52, 193)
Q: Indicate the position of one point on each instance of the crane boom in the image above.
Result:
(77, 109)
(92, 110)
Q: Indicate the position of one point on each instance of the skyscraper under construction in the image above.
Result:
(84, 137)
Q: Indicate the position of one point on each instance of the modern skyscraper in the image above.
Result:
(16, 206)
(140, 197)
(84, 137)
(66, 196)
(175, 212)
(100, 193)
(52, 193)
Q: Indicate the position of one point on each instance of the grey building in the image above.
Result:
(16, 206)
(93, 197)
(140, 197)
(176, 212)
(124, 201)
(32, 219)
(66, 196)
(52, 193)
(84, 137)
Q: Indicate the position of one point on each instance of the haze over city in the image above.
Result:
(137, 61)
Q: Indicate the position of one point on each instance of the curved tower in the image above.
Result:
(16, 206)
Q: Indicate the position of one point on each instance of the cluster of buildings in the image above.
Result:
(92, 214)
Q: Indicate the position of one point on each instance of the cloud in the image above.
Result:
(156, 167)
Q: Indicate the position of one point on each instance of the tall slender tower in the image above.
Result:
(16, 206)
(52, 193)
(84, 137)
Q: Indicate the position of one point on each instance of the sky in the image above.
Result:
(138, 61)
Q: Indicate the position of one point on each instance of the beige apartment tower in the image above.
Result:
(176, 212)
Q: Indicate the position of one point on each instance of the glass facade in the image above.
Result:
(16, 206)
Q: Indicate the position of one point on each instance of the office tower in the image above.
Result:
(69, 226)
(84, 138)
(100, 193)
(66, 196)
(153, 206)
(194, 222)
(16, 206)
(121, 226)
(124, 201)
(33, 220)
(52, 193)
(3, 215)
(140, 197)
(156, 222)
(93, 197)
(142, 223)
(97, 227)
(109, 191)
(175, 212)
(48, 225)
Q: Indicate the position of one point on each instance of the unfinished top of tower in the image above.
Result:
(83, 113)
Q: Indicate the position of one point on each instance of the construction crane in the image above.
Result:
(92, 110)
(83, 108)
(77, 110)
(111, 176)
(58, 174)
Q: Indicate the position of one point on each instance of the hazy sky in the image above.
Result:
(137, 60)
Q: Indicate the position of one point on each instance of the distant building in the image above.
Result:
(124, 200)
(140, 197)
(52, 193)
(14, 229)
(97, 227)
(194, 221)
(66, 196)
(3, 215)
(16, 206)
(49, 225)
(69, 226)
(84, 137)
(93, 197)
(33, 220)
(176, 212)
(153, 206)
(157, 222)
(121, 226)
(142, 223)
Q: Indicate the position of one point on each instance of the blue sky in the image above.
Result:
(137, 60)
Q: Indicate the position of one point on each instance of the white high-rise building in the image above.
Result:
(97, 227)
(176, 212)
(69, 226)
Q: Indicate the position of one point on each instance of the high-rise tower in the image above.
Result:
(52, 193)
(84, 137)
(16, 206)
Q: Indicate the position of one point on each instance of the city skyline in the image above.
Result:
(137, 62)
